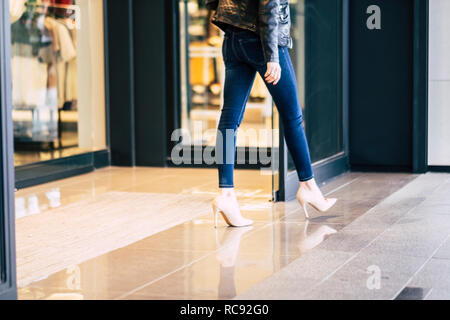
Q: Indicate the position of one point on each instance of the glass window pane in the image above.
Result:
(203, 75)
(57, 78)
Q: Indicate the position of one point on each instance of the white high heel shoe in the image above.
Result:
(230, 212)
(305, 197)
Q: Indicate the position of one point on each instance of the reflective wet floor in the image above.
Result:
(193, 260)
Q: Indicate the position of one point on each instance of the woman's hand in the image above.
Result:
(273, 73)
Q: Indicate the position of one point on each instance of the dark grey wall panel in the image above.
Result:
(420, 104)
(323, 83)
(136, 46)
(150, 81)
(119, 46)
(381, 85)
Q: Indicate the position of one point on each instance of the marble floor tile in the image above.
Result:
(344, 212)
(193, 260)
(220, 276)
(116, 272)
(438, 294)
(444, 251)
(435, 274)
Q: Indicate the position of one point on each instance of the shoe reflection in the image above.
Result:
(228, 250)
(310, 239)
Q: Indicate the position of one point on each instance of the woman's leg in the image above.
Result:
(285, 96)
(239, 80)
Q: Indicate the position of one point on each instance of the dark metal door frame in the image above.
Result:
(420, 86)
(8, 287)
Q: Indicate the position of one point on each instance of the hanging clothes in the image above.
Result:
(31, 54)
(65, 62)
(71, 89)
(29, 78)
(34, 85)
(16, 9)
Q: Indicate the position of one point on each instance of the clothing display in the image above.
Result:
(32, 76)
(66, 64)
(16, 9)
(44, 67)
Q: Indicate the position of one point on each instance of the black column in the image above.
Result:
(420, 103)
(381, 84)
(137, 75)
(8, 288)
(119, 48)
(150, 81)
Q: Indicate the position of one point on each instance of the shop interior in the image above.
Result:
(203, 71)
(55, 111)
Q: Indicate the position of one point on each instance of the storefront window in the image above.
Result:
(57, 78)
(203, 73)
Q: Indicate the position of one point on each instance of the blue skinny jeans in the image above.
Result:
(243, 56)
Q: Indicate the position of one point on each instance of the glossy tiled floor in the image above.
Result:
(400, 249)
(193, 260)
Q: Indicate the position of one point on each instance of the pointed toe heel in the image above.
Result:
(230, 213)
(306, 198)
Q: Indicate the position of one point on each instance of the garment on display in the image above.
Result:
(44, 68)
(16, 8)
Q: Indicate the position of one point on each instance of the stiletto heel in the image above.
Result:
(305, 211)
(216, 214)
(230, 212)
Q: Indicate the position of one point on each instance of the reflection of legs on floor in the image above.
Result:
(229, 247)
(227, 286)
(308, 242)
(227, 256)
